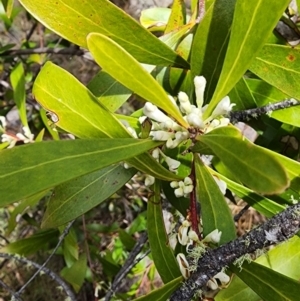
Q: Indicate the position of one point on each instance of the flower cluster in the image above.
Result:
(27, 137)
(166, 129)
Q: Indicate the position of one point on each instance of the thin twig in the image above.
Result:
(239, 215)
(17, 298)
(61, 238)
(128, 265)
(65, 51)
(244, 115)
(51, 274)
(278, 229)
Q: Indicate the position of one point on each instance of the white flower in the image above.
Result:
(183, 188)
(182, 235)
(172, 163)
(183, 265)
(154, 113)
(149, 180)
(212, 284)
(10, 139)
(223, 107)
(213, 237)
(161, 135)
(224, 278)
(27, 137)
(193, 236)
(194, 120)
(200, 83)
(216, 123)
(185, 105)
(155, 154)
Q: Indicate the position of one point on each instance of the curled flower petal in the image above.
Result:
(200, 83)
(183, 265)
(224, 278)
(213, 237)
(212, 284)
(172, 163)
(223, 107)
(183, 235)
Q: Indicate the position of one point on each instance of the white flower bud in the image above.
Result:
(187, 189)
(154, 113)
(213, 237)
(149, 180)
(161, 135)
(174, 184)
(183, 265)
(185, 105)
(223, 107)
(200, 83)
(188, 181)
(179, 192)
(155, 153)
(172, 163)
(194, 120)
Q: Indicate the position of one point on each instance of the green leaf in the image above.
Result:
(163, 293)
(17, 79)
(162, 253)
(79, 112)
(49, 124)
(215, 211)
(74, 105)
(210, 43)
(265, 94)
(155, 18)
(76, 197)
(8, 6)
(260, 203)
(279, 66)
(76, 273)
(35, 167)
(268, 284)
(74, 20)
(70, 247)
(122, 66)
(253, 165)
(32, 244)
(109, 92)
(242, 96)
(249, 33)
(177, 17)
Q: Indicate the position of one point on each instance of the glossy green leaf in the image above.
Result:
(17, 79)
(122, 66)
(74, 20)
(31, 244)
(177, 17)
(214, 209)
(163, 293)
(76, 197)
(210, 43)
(249, 33)
(36, 167)
(260, 203)
(109, 92)
(268, 284)
(279, 66)
(79, 112)
(253, 165)
(265, 94)
(162, 253)
(65, 96)
(76, 273)
(242, 96)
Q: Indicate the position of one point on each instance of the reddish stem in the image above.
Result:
(194, 217)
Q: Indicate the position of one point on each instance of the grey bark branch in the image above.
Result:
(278, 229)
(244, 115)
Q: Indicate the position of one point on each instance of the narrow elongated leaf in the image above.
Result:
(123, 67)
(109, 92)
(214, 209)
(74, 104)
(251, 164)
(268, 284)
(79, 112)
(210, 43)
(265, 94)
(17, 79)
(260, 203)
(162, 293)
(74, 20)
(35, 167)
(162, 254)
(248, 35)
(76, 197)
(31, 244)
